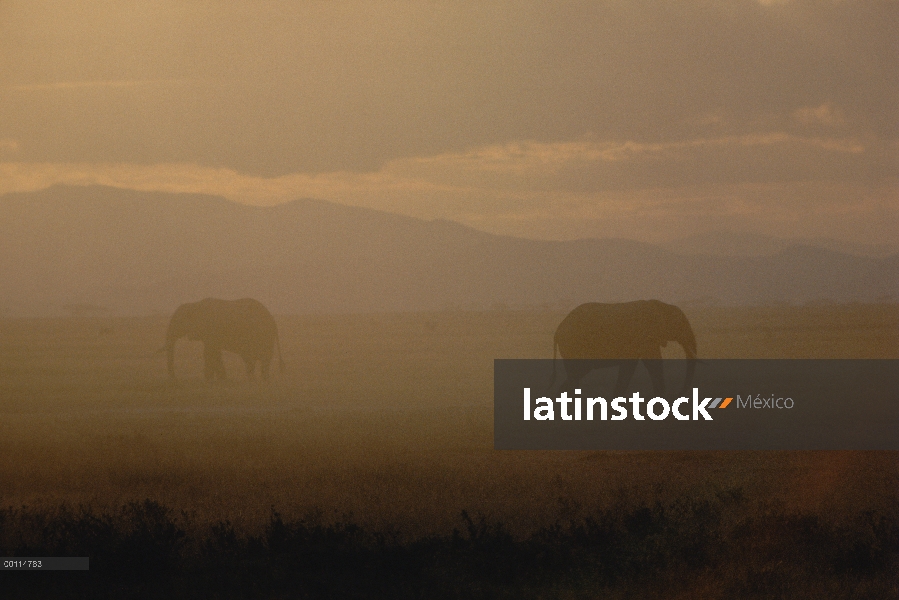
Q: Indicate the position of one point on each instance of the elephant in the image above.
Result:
(243, 326)
(621, 335)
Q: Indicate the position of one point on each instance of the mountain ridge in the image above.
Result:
(143, 252)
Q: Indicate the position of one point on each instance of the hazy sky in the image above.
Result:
(629, 118)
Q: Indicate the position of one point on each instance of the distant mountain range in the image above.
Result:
(143, 252)
(725, 243)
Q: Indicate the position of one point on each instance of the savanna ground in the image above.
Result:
(377, 437)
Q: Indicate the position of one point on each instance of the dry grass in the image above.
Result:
(386, 419)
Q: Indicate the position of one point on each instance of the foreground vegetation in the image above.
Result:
(717, 547)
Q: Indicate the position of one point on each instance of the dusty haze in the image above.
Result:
(415, 189)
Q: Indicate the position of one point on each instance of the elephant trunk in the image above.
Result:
(688, 343)
(691, 370)
(170, 339)
(170, 358)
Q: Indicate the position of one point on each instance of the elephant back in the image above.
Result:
(626, 330)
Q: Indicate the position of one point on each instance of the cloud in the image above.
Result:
(587, 166)
(774, 184)
(286, 87)
(508, 170)
(824, 115)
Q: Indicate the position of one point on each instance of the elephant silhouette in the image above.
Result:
(243, 326)
(621, 335)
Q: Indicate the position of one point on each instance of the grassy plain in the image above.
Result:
(387, 418)
(384, 421)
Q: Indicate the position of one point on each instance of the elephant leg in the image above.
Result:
(263, 367)
(656, 374)
(652, 359)
(625, 373)
(575, 370)
(212, 356)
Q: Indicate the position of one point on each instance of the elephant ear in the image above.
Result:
(658, 323)
(191, 317)
(203, 323)
(682, 331)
